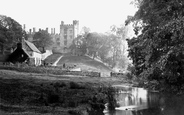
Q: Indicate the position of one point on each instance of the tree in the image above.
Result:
(93, 43)
(157, 51)
(85, 31)
(11, 32)
(79, 45)
(118, 42)
(42, 40)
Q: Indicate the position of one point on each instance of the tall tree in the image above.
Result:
(93, 43)
(79, 45)
(157, 51)
(11, 32)
(42, 40)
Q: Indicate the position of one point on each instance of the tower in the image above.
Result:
(68, 32)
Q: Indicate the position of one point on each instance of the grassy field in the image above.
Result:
(52, 58)
(46, 94)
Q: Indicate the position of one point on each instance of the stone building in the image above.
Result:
(68, 32)
(63, 39)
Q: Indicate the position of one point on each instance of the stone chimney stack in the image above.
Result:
(30, 31)
(47, 30)
(24, 26)
(54, 30)
(62, 22)
(34, 30)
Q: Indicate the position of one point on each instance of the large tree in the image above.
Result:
(157, 51)
(11, 32)
(79, 44)
(94, 42)
(43, 40)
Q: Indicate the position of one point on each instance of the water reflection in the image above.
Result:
(137, 101)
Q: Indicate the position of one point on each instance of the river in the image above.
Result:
(139, 101)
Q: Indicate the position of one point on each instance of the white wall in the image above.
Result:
(38, 58)
(46, 54)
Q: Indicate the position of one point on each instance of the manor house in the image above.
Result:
(63, 40)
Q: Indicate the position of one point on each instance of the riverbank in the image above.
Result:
(33, 93)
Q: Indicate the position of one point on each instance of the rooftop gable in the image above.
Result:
(32, 46)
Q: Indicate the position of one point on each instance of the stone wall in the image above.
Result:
(117, 74)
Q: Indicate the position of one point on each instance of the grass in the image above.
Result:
(31, 93)
(52, 58)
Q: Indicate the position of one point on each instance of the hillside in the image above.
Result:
(85, 63)
(52, 58)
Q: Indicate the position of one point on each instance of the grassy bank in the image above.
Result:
(28, 94)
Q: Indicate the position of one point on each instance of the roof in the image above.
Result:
(32, 46)
(26, 52)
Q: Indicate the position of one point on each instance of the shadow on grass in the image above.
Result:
(45, 97)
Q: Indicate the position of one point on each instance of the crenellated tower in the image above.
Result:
(68, 32)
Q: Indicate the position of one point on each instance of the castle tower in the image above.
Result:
(68, 32)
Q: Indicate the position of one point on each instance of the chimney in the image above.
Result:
(34, 30)
(30, 31)
(47, 30)
(39, 29)
(54, 30)
(62, 22)
(24, 26)
(19, 45)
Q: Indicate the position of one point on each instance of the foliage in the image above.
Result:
(79, 44)
(156, 52)
(31, 93)
(42, 39)
(94, 43)
(118, 45)
(11, 31)
(108, 47)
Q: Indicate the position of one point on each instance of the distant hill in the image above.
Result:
(85, 63)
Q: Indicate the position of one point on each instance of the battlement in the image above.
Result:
(75, 22)
(68, 25)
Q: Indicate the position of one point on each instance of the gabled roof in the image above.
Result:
(32, 46)
(26, 52)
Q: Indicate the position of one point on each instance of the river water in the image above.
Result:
(138, 101)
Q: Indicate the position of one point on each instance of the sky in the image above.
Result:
(98, 15)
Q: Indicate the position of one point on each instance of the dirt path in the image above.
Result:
(55, 63)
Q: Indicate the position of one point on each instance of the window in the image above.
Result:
(58, 43)
(65, 36)
(71, 31)
(58, 39)
(71, 36)
(65, 42)
(65, 31)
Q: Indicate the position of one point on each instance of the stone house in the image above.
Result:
(34, 54)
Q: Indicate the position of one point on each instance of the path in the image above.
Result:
(55, 63)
